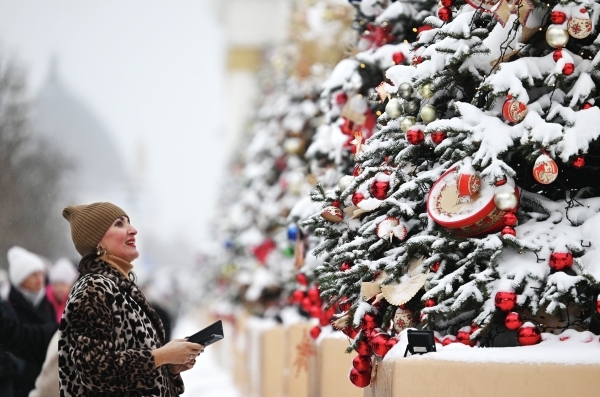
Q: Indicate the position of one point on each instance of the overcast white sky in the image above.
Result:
(152, 71)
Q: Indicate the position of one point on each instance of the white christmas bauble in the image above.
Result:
(557, 37)
(506, 200)
(345, 181)
(393, 108)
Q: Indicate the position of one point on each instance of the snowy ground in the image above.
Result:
(206, 379)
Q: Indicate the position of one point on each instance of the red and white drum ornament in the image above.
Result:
(464, 215)
(468, 182)
(545, 169)
(513, 111)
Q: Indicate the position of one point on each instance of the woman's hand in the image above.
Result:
(178, 352)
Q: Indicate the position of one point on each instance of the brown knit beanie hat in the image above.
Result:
(89, 223)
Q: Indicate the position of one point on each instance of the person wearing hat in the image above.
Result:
(111, 340)
(61, 277)
(26, 305)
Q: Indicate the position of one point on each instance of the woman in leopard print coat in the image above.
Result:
(111, 340)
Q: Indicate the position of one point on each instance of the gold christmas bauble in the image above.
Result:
(428, 113)
(426, 91)
(393, 108)
(407, 122)
(557, 37)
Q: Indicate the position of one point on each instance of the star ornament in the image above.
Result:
(505, 8)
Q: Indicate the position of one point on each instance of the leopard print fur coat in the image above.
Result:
(107, 335)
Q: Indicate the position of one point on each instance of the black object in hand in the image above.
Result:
(208, 335)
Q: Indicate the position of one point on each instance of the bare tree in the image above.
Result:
(30, 175)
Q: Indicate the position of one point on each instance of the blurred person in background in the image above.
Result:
(61, 277)
(112, 342)
(31, 322)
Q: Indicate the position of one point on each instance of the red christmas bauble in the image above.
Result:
(568, 69)
(313, 295)
(438, 136)
(297, 296)
(398, 57)
(464, 337)
(468, 184)
(598, 306)
(302, 279)
(368, 322)
(474, 327)
(345, 305)
(379, 189)
(513, 321)
(545, 169)
(514, 111)
(325, 318)
(557, 54)
(341, 98)
(558, 17)
(445, 14)
(579, 162)
(379, 344)
(528, 336)
(359, 379)
(510, 219)
(417, 60)
(356, 171)
(336, 203)
(362, 363)
(315, 312)
(423, 28)
(350, 332)
(391, 343)
(586, 105)
(448, 339)
(447, 3)
(357, 197)
(436, 266)
(430, 302)
(362, 347)
(345, 266)
(415, 136)
(561, 260)
(306, 304)
(315, 332)
(508, 230)
(505, 300)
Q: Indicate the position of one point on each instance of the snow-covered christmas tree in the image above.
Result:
(472, 206)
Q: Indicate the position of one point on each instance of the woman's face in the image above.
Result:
(119, 240)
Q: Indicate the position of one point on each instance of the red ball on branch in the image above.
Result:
(436, 266)
(505, 300)
(561, 260)
(350, 332)
(315, 332)
(417, 60)
(558, 17)
(586, 105)
(510, 219)
(363, 348)
(447, 3)
(391, 343)
(528, 336)
(430, 302)
(579, 162)
(568, 69)
(336, 203)
(368, 322)
(508, 230)
(341, 98)
(362, 363)
(464, 337)
(297, 296)
(557, 54)
(438, 136)
(345, 266)
(324, 319)
(415, 136)
(379, 344)
(302, 279)
(306, 304)
(513, 321)
(423, 28)
(398, 57)
(315, 312)
(313, 295)
(359, 379)
(379, 189)
(357, 197)
(598, 306)
(445, 14)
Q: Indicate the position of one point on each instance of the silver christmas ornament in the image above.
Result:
(425, 91)
(506, 200)
(428, 113)
(407, 122)
(405, 90)
(557, 37)
(411, 106)
(393, 108)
